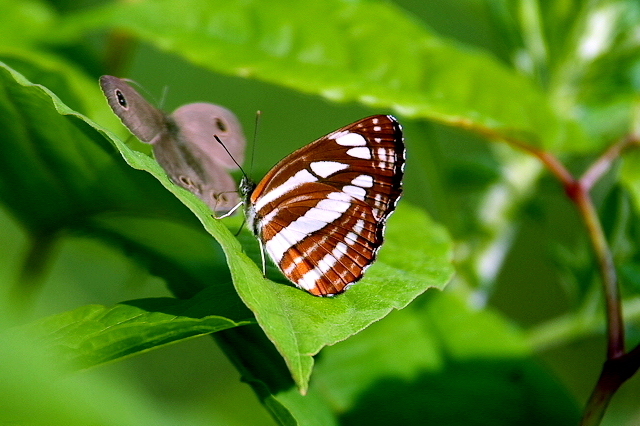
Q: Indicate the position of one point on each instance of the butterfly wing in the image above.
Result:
(321, 211)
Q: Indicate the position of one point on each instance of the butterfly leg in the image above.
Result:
(229, 213)
(264, 262)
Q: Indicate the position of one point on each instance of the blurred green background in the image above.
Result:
(543, 276)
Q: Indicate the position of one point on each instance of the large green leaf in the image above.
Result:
(95, 334)
(36, 390)
(416, 256)
(57, 169)
(366, 51)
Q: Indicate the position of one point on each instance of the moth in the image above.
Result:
(183, 142)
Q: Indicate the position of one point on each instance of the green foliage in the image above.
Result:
(435, 349)
(559, 78)
(93, 334)
(335, 49)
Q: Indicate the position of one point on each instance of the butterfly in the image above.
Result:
(183, 142)
(320, 213)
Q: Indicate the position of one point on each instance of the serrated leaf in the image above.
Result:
(77, 90)
(415, 257)
(57, 168)
(95, 334)
(336, 49)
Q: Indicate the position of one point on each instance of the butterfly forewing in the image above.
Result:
(321, 211)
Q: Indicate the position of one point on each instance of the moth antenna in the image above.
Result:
(234, 160)
(163, 98)
(148, 94)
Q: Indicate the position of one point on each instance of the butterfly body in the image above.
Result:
(183, 142)
(320, 213)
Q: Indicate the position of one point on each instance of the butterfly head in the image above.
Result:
(246, 188)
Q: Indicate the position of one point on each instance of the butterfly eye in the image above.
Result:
(221, 125)
(121, 99)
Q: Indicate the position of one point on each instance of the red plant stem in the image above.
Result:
(614, 373)
(578, 191)
(615, 325)
(619, 366)
(611, 377)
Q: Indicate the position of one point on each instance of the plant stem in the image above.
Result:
(607, 271)
(619, 366)
(575, 326)
(615, 372)
(603, 164)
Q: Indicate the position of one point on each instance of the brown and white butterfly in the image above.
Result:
(183, 142)
(320, 213)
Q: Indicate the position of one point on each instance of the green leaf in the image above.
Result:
(336, 49)
(60, 173)
(77, 90)
(37, 390)
(95, 334)
(58, 169)
(472, 367)
(300, 325)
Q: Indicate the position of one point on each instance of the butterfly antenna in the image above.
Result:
(234, 160)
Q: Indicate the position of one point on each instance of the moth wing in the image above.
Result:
(143, 119)
(199, 122)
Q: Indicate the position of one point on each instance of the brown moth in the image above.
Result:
(183, 142)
